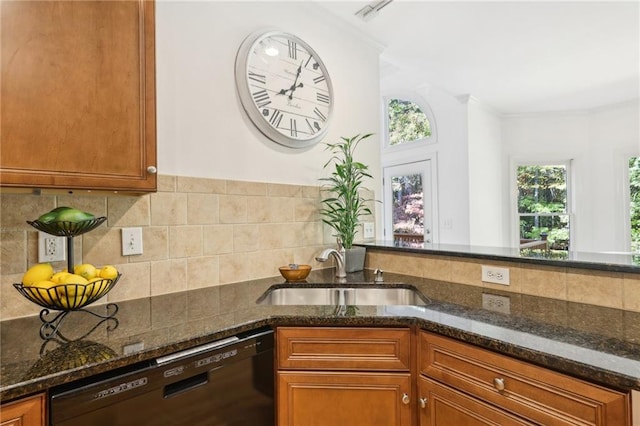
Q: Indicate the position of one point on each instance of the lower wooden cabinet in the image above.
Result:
(442, 405)
(318, 398)
(24, 412)
(532, 393)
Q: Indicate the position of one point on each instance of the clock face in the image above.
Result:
(284, 87)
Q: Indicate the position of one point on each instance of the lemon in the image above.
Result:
(108, 272)
(70, 295)
(39, 272)
(95, 286)
(58, 276)
(42, 288)
(86, 270)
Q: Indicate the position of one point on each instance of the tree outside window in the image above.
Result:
(634, 198)
(542, 205)
(407, 122)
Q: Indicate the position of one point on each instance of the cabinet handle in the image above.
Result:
(405, 399)
(498, 383)
(152, 170)
(423, 402)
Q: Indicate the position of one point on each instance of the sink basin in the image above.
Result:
(342, 295)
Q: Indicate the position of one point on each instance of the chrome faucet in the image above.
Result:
(338, 255)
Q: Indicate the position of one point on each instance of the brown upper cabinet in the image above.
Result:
(78, 95)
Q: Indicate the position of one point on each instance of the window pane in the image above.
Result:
(407, 122)
(554, 229)
(542, 189)
(408, 209)
(634, 197)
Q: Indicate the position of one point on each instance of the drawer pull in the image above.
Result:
(498, 383)
(405, 399)
(423, 402)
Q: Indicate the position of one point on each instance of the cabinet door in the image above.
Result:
(25, 412)
(78, 94)
(443, 406)
(354, 399)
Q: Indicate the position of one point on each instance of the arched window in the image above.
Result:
(407, 122)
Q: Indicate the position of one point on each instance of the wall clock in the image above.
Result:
(285, 88)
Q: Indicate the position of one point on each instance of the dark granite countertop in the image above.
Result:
(606, 261)
(598, 344)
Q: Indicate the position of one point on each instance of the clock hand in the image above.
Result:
(295, 84)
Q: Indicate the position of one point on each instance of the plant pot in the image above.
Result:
(354, 259)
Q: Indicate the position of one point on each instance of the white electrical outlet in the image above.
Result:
(131, 241)
(369, 230)
(496, 303)
(51, 248)
(493, 274)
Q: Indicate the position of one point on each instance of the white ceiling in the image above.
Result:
(515, 56)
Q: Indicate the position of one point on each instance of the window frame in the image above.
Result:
(426, 109)
(514, 190)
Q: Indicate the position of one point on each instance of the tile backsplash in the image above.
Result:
(196, 233)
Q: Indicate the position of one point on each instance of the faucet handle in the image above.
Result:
(339, 243)
(378, 276)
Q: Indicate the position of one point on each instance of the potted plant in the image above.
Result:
(344, 205)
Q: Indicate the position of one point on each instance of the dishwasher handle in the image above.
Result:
(195, 351)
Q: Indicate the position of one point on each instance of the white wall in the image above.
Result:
(488, 216)
(599, 143)
(203, 130)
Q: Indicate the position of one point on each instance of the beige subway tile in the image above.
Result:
(102, 246)
(245, 238)
(236, 187)
(595, 287)
(265, 264)
(217, 239)
(543, 281)
(12, 303)
(168, 208)
(466, 271)
(203, 185)
(303, 255)
(271, 236)
(128, 211)
(202, 209)
(155, 244)
(13, 252)
(306, 210)
(437, 268)
(631, 292)
(16, 209)
(311, 234)
(135, 282)
(259, 210)
(401, 263)
(233, 209)
(94, 204)
(282, 190)
(234, 268)
(202, 272)
(185, 241)
(166, 183)
(310, 192)
(168, 276)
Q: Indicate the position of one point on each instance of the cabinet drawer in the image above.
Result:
(337, 348)
(533, 392)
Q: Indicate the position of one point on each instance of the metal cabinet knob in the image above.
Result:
(498, 383)
(405, 399)
(423, 402)
(152, 170)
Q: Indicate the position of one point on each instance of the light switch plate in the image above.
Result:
(368, 230)
(131, 241)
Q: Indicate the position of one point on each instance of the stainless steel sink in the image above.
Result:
(347, 295)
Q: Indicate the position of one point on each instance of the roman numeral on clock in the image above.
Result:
(275, 118)
(320, 115)
(293, 49)
(322, 97)
(293, 124)
(258, 78)
(261, 98)
(319, 79)
(311, 128)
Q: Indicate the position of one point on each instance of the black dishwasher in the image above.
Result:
(228, 382)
